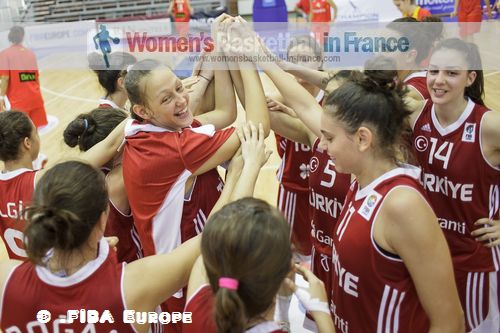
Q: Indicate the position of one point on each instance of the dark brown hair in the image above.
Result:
(373, 98)
(108, 77)
(16, 34)
(247, 240)
(67, 203)
(14, 127)
(471, 55)
(88, 129)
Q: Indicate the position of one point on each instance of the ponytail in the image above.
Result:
(230, 314)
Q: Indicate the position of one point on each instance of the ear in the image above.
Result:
(141, 111)
(120, 83)
(27, 143)
(471, 77)
(363, 138)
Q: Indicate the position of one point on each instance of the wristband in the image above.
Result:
(204, 77)
(311, 304)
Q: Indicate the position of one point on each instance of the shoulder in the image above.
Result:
(404, 202)
(490, 126)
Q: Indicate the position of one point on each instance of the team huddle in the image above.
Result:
(389, 187)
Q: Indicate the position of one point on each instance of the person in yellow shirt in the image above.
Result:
(410, 9)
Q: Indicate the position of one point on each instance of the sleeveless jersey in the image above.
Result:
(156, 165)
(181, 11)
(461, 185)
(372, 292)
(16, 192)
(320, 10)
(96, 286)
(418, 80)
(198, 203)
(201, 305)
(326, 197)
(121, 225)
(293, 172)
(107, 103)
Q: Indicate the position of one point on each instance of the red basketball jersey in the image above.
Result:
(328, 189)
(156, 165)
(461, 185)
(418, 80)
(372, 292)
(198, 203)
(16, 192)
(96, 286)
(107, 103)
(320, 10)
(201, 305)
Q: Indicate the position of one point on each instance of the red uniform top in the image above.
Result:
(470, 7)
(198, 203)
(107, 103)
(19, 64)
(95, 286)
(304, 5)
(293, 172)
(156, 166)
(181, 11)
(201, 305)
(418, 80)
(16, 192)
(372, 290)
(461, 185)
(326, 198)
(320, 11)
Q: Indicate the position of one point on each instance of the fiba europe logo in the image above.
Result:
(372, 200)
(43, 316)
(421, 143)
(102, 42)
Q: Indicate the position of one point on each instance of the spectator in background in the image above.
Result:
(19, 79)
(181, 11)
(302, 8)
(470, 16)
(321, 17)
(410, 9)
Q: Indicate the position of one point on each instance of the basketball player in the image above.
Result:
(112, 80)
(86, 131)
(67, 220)
(233, 285)
(323, 190)
(392, 268)
(170, 148)
(470, 16)
(19, 146)
(450, 132)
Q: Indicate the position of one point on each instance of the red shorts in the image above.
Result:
(479, 295)
(469, 22)
(295, 206)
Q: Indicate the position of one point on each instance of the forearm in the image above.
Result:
(238, 85)
(4, 83)
(246, 182)
(225, 99)
(105, 150)
(255, 100)
(298, 98)
(324, 322)
(225, 196)
(197, 94)
(318, 78)
(457, 2)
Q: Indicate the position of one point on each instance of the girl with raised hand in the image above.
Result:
(86, 131)
(392, 268)
(450, 132)
(71, 266)
(168, 151)
(19, 146)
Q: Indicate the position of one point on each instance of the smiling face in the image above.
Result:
(448, 76)
(166, 100)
